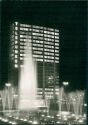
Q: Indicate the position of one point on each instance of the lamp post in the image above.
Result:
(8, 85)
(65, 84)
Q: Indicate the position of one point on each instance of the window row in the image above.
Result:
(25, 29)
(46, 53)
(36, 48)
(37, 52)
(49, 50)
(25, 25)
(38, 56)
(48, 57)
(38, 45)
(49, 46)
(37, 41)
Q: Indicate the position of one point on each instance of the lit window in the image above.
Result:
(16, 37)
(16, 66)
(16, 28)
(15, 56)
(45, 31)
(56, 37)
(40, 59)
(56, 47)
(16, 23)
(52, 36)
(16, 46)
(56, 30)
(21, 28)
(21, 43)
(21, 54)
(16, 42)
(22, 47)
(57, 58)
(57, 34)
(52, 33)
(57, 44)
(50, 29)
(25, 40)
(16, 51)
(22, 25)
(15, 60)
(21, 51)
(56, 54)
(41, 34)
(41, 27)
(16, 33)
(34, 33)
(57, 51)
(56, 61)
(21, 36)
(21, 65)
(26, 29)
(56, 40)
(21, 58)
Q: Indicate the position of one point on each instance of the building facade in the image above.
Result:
(45, 50)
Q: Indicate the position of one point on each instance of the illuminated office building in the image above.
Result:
(45, 50)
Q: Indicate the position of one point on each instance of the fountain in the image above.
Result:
(76, 99)
(70, 108)
(28, 81)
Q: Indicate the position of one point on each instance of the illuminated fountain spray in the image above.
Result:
(28, 81)
(60, 98)
(76, 98)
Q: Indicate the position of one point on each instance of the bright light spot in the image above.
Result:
(5, 120)
(16, 23)
(35, 122)
(14, 123)
(16, 60)
(80, 121)
(16, 51)
(48, 116)
(57, 93)
(15, 97)
(58, 115)
(28, 81)
(15, 56)
(30, 121)
(73, 114)
(65, 119)
(52, 116)
(16, 118)
(85, 104)
(16, 42)
(10, 122)
(65, 83)
(84, 115)
(42, 115)
(16, 66)
(21, 119)
(8, 84)
(16, 28)
(25, 120)
(64, 113)
(58, 122)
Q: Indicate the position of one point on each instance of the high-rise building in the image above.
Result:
(45, 50)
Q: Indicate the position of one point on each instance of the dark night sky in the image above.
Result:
(69, 17)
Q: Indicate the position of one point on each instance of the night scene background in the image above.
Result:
(69, 17)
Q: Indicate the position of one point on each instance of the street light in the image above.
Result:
(65, 83)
